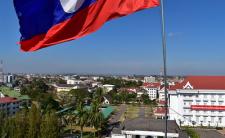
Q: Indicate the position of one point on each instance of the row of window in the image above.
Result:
(203, 112)
(204, 96)
(204, 119)
(3, 104)
(204, 103)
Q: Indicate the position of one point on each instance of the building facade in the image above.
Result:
(150, 79)
(9, 105)
(152, 89)
(146, 128)
(198, 101)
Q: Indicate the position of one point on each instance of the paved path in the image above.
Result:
(116, 117)
(210, 133)
(141, 112)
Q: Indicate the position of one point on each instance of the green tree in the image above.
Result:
(49, 126)
(99, 95)
(34, 121)
(8, 128)
(49, 103)
(145, 99)
(96, 117)
(2, 121)
(192, 133)
(79, 95)
(21, 124)
(82, 116)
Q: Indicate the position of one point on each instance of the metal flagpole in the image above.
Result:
(164, 65)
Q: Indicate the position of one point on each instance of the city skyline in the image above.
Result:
(130, 45)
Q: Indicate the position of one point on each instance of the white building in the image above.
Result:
(9, 78)
(96, 84)
(108, 87)
(150, 79)
(66, 87)
(198, 101)
(152, 89)
(74, 81)
(162, 93)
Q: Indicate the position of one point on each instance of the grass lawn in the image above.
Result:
(85, 129)
(148, 111)
(131, 112)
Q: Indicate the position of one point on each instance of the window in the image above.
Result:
(213, 103)
(197, 102)
(212, 96)
(212, 119)
(204, 119)
(205, 96)
(220, 103)
(220, 119)
(189, 118)
(197, 118)
(205, 103)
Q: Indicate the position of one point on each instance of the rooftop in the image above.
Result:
(147, 124)
(14, 94)
(152, 85)
(8, 100)
(202, 82)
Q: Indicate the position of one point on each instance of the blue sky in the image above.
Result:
(129, 45)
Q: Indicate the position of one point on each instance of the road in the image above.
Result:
(116, 117)
(141, 112)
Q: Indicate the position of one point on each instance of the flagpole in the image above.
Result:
(164, 65)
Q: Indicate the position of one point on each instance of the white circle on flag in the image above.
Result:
(71, 6)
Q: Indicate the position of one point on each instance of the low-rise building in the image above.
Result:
(146, 128)
(198, 101)
(67, 87)
(74, 82)
(150, 79)
(152, 89)
(9, 105)
(108, 87)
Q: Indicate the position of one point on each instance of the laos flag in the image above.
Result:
(45, 23)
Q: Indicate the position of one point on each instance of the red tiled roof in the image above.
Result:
(8, 100)
(152, 85)
(162, 102)
(160, 110)
(202, 82)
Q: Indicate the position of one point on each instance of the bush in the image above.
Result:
(192, 133)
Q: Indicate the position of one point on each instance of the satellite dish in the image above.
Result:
(71, 6)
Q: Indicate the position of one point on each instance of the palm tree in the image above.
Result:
(70, 120)
(99, 94)
(82, 116)
(96, 116)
